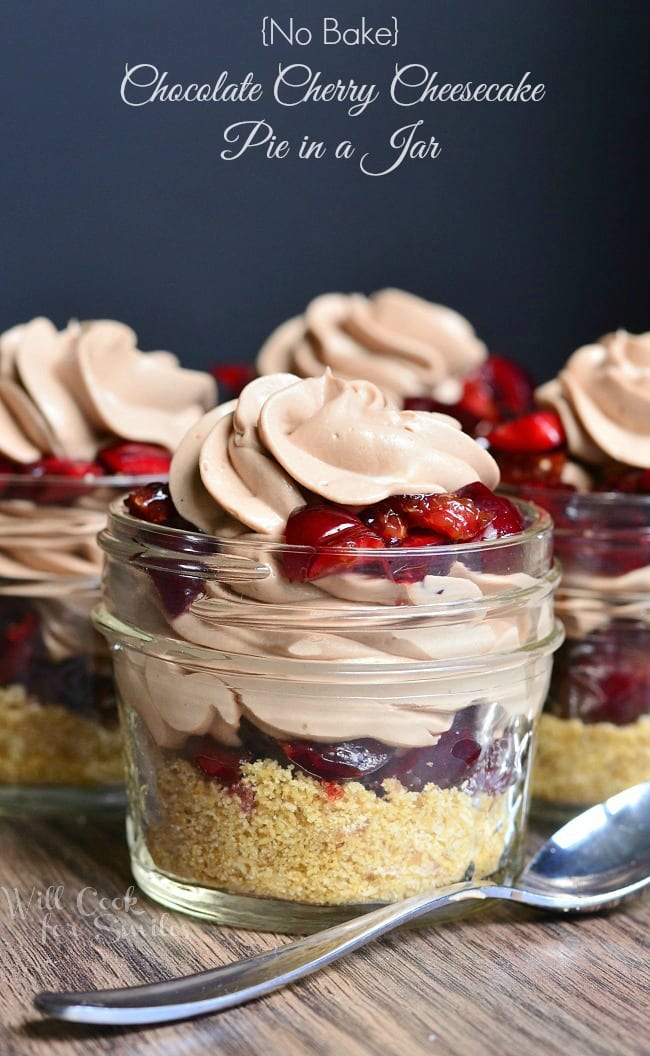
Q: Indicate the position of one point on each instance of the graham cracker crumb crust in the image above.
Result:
(48, 744)
(582, 763)
(282, 835)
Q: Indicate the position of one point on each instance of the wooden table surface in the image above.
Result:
(503, 982)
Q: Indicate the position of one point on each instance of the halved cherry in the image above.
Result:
(333, 533)
(153, 503)
(134, 459)
(540, 431)
(498, 389)
(456, 517)
(505, 517)
(387, 521)
(179, 586)
(342, 761)
(447, 764)
(220, 763)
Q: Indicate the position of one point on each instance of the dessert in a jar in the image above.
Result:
(584, 455)
(331, 642)
(424, 356)
(83, 415)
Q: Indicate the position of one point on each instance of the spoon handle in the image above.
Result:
(242, 981)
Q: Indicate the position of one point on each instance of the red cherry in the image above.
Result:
(385, 519)
(538, 432)
(153, 503)
(506, 518)
(454, 516)
(447, 764)
(513, 387)
(326, 528)
(232, 377)
(342, 761)
(135, 459)
(498, 389)
(220, 763)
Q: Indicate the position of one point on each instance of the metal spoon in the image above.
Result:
(594, 861)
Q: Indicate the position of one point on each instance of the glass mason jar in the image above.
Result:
(594, 736)
(60, 744)
(298, 751)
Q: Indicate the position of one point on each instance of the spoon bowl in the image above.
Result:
(593, 862)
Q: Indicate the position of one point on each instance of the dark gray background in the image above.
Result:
(533, 222)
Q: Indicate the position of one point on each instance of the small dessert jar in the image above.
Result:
(594, 735)
(298, 752)
(60, 744)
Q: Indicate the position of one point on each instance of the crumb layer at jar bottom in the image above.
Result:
(578, 763)
(48, 744)
(284, 835)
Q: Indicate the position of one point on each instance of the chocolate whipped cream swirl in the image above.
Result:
(239, 473)
(603, 398)
(284, 439)
(64, 393)
(405, 345)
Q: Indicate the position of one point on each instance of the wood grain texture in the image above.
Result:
(503, 982)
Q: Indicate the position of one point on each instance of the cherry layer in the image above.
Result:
(497, 391)
(334, 533)
(463, 757)
(72, 683)
(332, 540)
(115, 459)
(532, 451)
(604, 677)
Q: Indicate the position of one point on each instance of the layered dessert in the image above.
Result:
(334, 640)
(83, 413)
(584, 454)
(424, 356)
